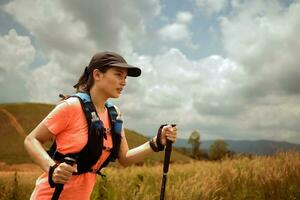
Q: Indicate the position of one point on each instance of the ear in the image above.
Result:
(97, 75)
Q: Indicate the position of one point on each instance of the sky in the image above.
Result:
(226, 68)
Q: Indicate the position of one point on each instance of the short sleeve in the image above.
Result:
(58, 119)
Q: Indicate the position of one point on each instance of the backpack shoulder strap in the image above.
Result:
(87, 106)
(84, 97)
(113, 113)
(91, 152)
(116, 125)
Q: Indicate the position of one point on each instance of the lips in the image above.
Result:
(119, 90)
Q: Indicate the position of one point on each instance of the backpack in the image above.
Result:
(91, 152)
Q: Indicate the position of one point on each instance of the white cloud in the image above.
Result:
(184, 17)
(48, 82)
(68, 33)
(16, 51)
(58, 34)
(177, 31)
(174, 32)
(16, 54)
(265, 40)
(107, 21)
(169, 87)
(72, 31)
(205, 95)
(212, 6)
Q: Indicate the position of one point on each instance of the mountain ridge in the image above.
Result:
(258, 147)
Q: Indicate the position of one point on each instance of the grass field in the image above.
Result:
(259, 178)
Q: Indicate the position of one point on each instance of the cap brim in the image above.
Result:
(132, 70)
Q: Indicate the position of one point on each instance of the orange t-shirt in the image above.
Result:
(68, 123)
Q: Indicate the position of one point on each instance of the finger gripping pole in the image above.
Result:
(59, 188)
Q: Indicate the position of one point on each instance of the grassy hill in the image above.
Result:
(28, 115)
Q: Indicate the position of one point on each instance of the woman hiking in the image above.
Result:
(88, 133)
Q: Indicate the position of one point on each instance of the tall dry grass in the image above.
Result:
(16, 185)
(260, 178)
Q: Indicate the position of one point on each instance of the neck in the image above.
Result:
(98, 99)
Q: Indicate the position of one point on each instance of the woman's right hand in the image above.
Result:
(63, 172)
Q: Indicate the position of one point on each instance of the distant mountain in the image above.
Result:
(259, 147)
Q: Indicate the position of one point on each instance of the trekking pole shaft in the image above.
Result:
(163, 187)
(57, 191)
(168, 151)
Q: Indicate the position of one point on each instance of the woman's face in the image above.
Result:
(112, 82)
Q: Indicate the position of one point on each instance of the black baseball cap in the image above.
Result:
(108, 58)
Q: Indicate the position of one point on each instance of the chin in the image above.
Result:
(115, 96)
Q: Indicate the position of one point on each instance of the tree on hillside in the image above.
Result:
(218, 150)
(194, 140)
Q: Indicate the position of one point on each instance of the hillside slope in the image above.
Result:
(28, 115)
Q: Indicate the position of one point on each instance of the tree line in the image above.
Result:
(217, 151)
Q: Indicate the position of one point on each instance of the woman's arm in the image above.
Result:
(34, 145)
(128, 157)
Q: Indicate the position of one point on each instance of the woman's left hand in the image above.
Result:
(168, 132)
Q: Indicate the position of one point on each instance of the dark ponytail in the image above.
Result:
(86, 80)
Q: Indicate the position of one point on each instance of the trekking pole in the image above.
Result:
(59, 188)
(168, 151)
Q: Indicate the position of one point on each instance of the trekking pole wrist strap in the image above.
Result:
(153, 145)
(50, 174)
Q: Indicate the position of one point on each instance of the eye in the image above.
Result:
(121, 75)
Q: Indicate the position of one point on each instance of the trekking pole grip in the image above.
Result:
(69, 160)
(168, 152)
(59, 187)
